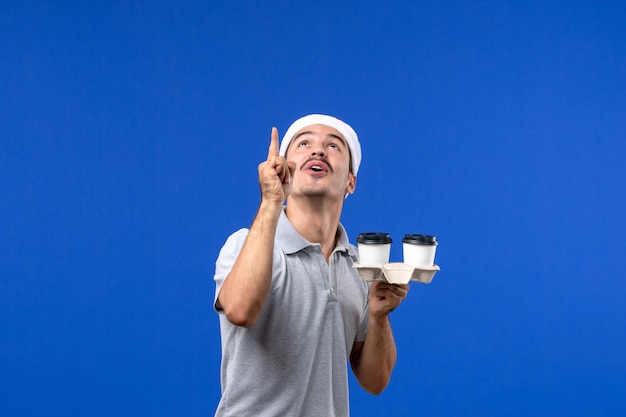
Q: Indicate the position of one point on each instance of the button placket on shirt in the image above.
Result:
(333, 295)
(329, 273)
(326, 273)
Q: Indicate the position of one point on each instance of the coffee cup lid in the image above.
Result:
(416, 239)
(374, 238)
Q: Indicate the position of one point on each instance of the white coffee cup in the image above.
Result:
(374, 248)
(419, 250)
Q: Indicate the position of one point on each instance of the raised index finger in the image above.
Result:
(273, 150)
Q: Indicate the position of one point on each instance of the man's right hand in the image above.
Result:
(275, 174)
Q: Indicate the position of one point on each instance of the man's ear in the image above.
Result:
(351, 184)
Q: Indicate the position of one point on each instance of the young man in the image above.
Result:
(292, 308)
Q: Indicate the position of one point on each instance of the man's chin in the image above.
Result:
(318, 193)
(314, 192)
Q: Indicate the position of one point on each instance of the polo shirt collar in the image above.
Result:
(291, 241)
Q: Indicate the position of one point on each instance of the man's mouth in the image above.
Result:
(317, 166)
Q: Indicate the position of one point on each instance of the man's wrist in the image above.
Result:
(270, 209)
(380, 319)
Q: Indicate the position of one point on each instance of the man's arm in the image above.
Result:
(373, 360)
(246, 287)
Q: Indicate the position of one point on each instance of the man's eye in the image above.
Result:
(303, 143)
(333, 146)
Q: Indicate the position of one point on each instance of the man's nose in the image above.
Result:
(318, 151)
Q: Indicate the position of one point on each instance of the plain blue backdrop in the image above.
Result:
(130, 133)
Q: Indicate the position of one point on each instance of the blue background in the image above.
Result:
(130, 133)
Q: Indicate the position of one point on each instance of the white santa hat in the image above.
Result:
(321, 119)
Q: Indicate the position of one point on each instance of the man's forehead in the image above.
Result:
(320, 129)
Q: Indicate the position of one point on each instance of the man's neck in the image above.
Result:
(316, 220)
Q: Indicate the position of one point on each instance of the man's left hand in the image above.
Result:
(386, 297)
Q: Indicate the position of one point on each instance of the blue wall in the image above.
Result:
(130, 133)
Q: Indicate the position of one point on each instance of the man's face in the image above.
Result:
(322, 160)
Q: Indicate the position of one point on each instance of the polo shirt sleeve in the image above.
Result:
(362, 329)
(225, 261)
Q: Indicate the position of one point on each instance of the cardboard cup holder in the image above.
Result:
(397, 272)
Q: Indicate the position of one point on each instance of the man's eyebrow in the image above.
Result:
(340, 139)
(332, 135)
(300, 134)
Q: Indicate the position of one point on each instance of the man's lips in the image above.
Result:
(316, 166)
